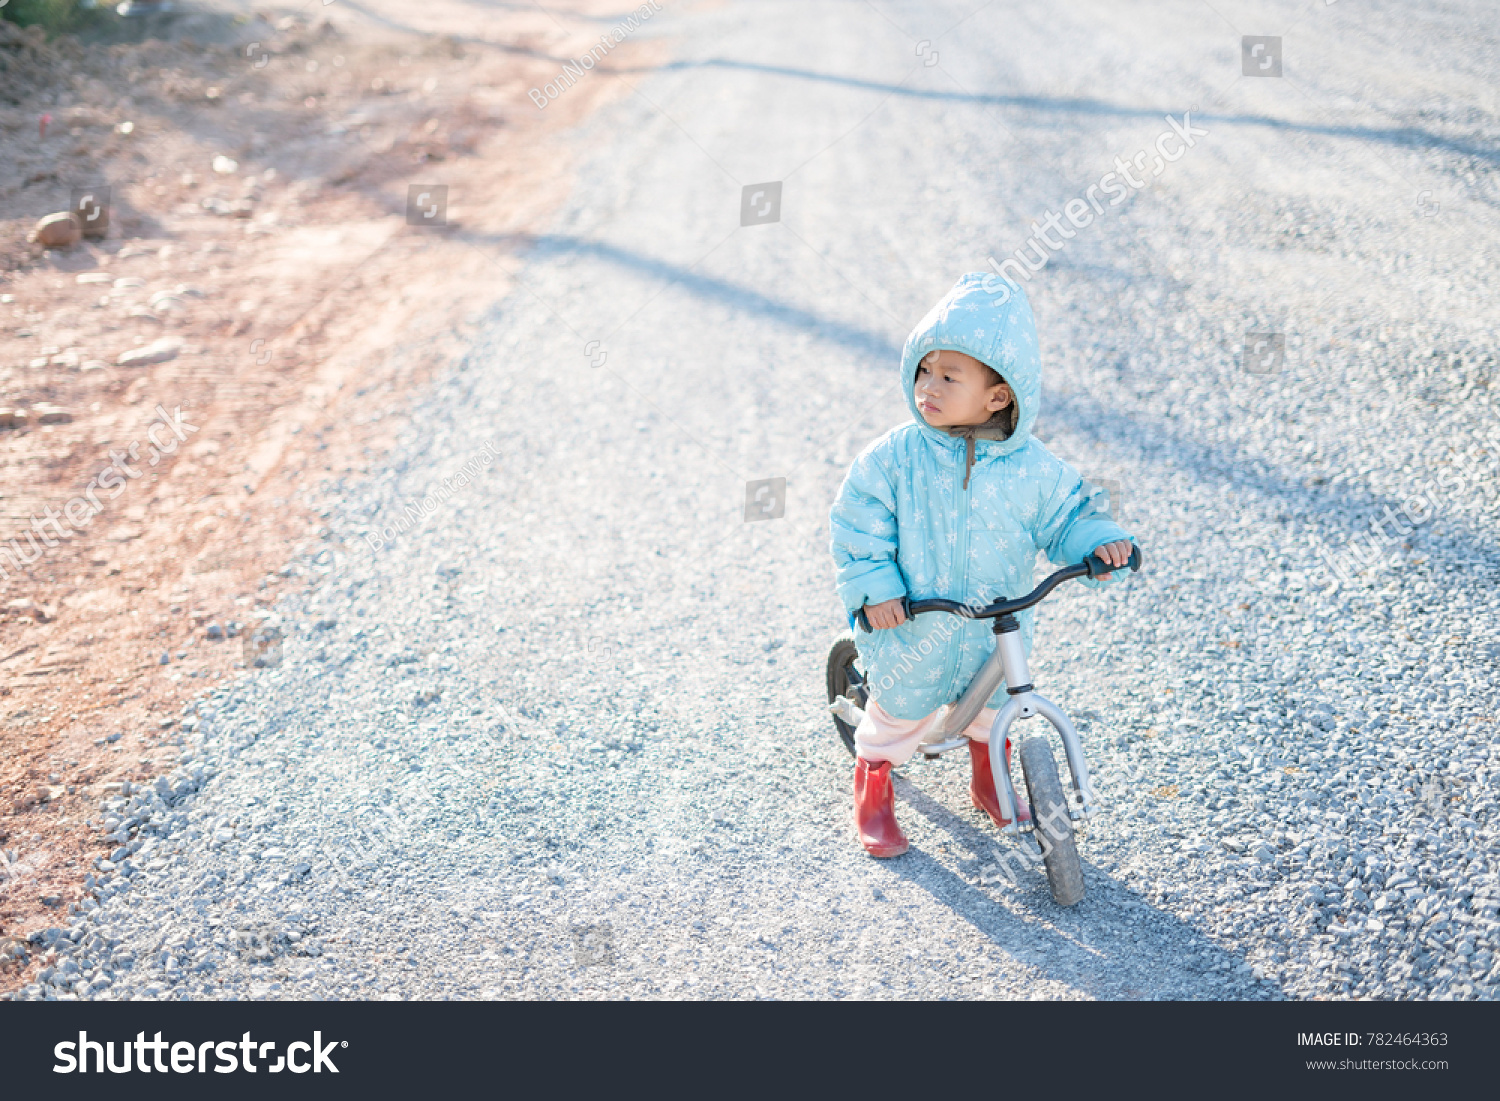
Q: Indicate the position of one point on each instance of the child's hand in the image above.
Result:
(1116, 554)
(885, 615)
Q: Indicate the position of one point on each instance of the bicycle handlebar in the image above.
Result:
(1092, 566)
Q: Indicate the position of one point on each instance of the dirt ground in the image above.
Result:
(258, 166)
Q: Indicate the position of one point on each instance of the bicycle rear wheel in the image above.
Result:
(844, 679)
(1052, 825)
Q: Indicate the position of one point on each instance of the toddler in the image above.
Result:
(955, 504)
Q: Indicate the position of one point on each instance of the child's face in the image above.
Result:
(953, 389)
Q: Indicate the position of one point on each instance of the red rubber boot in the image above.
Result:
(982, 786)
(875, 809)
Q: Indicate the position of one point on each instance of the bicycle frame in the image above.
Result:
(1007, 664)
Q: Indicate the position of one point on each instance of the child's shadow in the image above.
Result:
(1112, 945)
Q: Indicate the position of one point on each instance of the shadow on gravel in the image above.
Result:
(1339, 512)
(1411, 137)
(704, 286)
(1113, 945)
(1154, 434)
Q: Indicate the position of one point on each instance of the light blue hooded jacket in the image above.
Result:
(904, 522)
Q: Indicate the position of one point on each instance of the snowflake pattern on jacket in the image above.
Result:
(902, 523)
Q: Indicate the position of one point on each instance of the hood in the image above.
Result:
(988, 318)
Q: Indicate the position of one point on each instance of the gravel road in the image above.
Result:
(563, 735)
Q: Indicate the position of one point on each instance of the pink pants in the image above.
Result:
(882, 737)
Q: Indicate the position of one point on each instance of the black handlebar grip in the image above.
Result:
(864, 620)
(1098, 567)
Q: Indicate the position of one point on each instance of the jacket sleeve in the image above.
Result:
(1072, 520)
(863, 527)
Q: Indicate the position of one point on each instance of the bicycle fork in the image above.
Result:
(1008, 663)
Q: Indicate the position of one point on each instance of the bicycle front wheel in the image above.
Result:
(1052, 825)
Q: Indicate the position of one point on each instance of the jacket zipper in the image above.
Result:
(958, 575)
